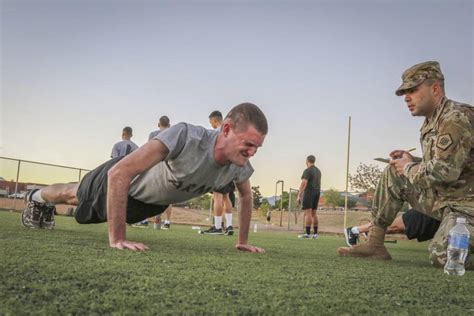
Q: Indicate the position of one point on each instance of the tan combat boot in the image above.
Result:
(373, 248)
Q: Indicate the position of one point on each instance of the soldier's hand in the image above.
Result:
(400, 163)
(398, 153)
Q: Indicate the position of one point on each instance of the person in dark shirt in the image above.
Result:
(310, 190)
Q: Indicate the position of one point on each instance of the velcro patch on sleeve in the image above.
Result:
(444, 141)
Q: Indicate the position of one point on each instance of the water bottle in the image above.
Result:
(157, 224)
(457, 248)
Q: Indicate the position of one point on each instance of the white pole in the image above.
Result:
(347, 172)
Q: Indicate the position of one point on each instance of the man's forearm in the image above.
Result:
(301, 190)
(117, 197)
(244, 220)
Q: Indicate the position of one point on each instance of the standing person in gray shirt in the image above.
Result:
(163, 123)
(125, 146)
(182, 162)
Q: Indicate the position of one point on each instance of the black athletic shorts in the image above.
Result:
(419, 226)
(230, 187)
(232, 198)
(92, 196)
(310, 200)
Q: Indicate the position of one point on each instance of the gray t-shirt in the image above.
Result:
(153, 134)
(123, 148)
(188, 171)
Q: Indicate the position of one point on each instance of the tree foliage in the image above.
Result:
(202, 202)
(286, 200)
(366, 178)
(333, 198)
(265, 207)
(351, 202)
(257, 196)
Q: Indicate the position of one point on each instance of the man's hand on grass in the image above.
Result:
(126, 244)
(249, 248)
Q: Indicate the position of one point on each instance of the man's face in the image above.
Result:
(242, 145)
(420, 100)
(214, 122)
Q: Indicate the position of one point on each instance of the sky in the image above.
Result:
(74, 73)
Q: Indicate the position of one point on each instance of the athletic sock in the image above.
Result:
(315, 229)
(308, 230)
(355, 230)
(218, 222)
(38, 198)
(228, 219)
(167, 221)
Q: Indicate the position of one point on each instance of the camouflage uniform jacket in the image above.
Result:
(446, 172)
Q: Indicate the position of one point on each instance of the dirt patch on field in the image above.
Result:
(329, 221)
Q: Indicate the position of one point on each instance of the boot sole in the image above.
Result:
(362, 256)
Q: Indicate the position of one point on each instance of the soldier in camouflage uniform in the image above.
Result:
(442, 184)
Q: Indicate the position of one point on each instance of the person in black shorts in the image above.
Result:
(412, 223)
(309, 192)
(222, 205)
(223, 198)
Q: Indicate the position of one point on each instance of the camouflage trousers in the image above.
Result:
(394, 190)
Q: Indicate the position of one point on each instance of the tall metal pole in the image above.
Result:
(211, 218)
(289, 207)
(281, 200)
(16, 183)
(347, 172)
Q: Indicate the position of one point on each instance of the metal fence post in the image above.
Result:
(16, 184)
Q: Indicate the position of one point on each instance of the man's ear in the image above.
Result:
(436, 89)
(226, 127)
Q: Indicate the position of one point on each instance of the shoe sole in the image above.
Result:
(25, 225)
(25, 200)
(204, 233)
(347, 238)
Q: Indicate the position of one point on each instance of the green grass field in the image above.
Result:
(71, 270)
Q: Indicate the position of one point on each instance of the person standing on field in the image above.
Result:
(308, 194)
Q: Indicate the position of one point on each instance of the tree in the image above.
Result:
(351, 202)
(366, 178)
(202, 202)
(257, 196)
(333, 198)
(286, 200)
(265, 207)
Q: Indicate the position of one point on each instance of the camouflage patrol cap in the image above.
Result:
(418, 73)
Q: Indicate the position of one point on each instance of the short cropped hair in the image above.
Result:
(311, 159)
(216, 114)
(164, 121)
(127, 130)
(248, 113)
(430, 82)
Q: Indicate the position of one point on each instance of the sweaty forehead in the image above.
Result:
(251, 135)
